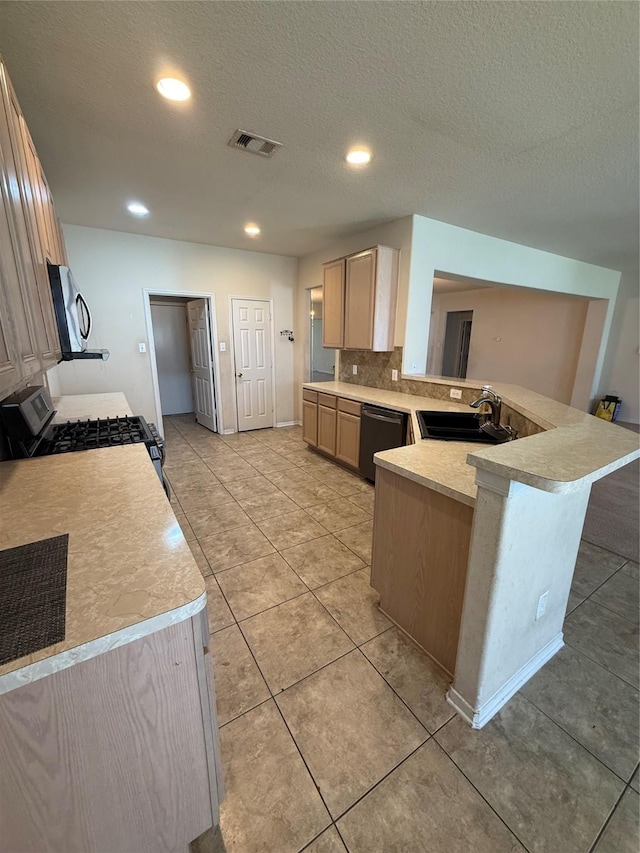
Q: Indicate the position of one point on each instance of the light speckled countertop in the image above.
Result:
(73, 407)
(576, 447)
(130, 571)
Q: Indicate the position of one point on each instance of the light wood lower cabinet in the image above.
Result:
(117, 753)
(327, 430)
(310, 422)
(348, 437)
(421, 544)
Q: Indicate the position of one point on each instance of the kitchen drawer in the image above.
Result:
(349, 406)
(328, 400)
(310, 396)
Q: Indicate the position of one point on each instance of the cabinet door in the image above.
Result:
(327, 430)
(44, 231)
(360, 300)
(310, 422)
(348, 439)
(333, 305)
(24, 240)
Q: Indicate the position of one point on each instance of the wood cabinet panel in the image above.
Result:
(359, 300)
(91, 757)
(311, 396)
(348, 439)
(419, 566)
(327, 430)
(333, 304)
(349, 406)
(310, 422)
(328, 400)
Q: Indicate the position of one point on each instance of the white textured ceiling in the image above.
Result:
(515, 119)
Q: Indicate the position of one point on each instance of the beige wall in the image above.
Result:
(112, 269)
(622, 369)
(523, 337)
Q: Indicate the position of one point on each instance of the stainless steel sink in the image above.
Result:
(454, 426)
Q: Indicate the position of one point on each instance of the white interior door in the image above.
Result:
(254, 363)
(204, 401)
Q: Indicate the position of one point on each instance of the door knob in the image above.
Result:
(238, 375)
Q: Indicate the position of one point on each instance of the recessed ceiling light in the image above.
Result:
(252, 230)
(173, 89)
(358, 157)
(137, 209)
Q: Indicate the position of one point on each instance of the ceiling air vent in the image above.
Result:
(253, 143)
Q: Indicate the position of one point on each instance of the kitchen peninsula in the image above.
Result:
(108, 737)
(469, 540)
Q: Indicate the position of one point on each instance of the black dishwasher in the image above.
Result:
(380, 429)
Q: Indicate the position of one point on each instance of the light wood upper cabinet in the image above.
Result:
(333, 305)
(30, 236)
(359, 300)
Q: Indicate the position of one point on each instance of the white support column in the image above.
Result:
(524, 543)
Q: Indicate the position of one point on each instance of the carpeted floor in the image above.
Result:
(613, 514)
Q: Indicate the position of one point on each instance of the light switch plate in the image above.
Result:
(455, 394)
(394, 375)
(223, 346)
(355, 369)
(142, 347)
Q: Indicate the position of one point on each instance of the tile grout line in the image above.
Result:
(609, 817)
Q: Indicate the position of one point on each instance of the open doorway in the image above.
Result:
(322, 362)
(185, 373)
(457, 337)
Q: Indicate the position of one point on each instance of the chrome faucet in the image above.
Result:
(490, 397)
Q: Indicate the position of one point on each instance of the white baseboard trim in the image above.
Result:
(288, 423)
(477, 718)
(228, 431)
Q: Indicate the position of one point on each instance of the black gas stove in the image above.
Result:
(90, 435)
(28, 422)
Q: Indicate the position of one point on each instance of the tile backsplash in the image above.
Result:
(374, 370)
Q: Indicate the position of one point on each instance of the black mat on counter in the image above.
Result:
(33, 592)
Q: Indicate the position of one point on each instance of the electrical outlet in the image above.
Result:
(142, 347)
(223, 346)
(354, 368)
(542, 605)
(455, 394)
(394, 375)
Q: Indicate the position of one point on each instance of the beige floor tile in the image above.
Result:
(238, 683)
(621, 593)
(593, 566)
(201, 560)
(202, 497)
(237, 469)
(208, 521)
(337, 515)
(359, 539)
(350, 727)
(341, 481)
(365, 500)
(260, 507)
(217, 608)
(551, 792)
(266, 461)
(238, 440)
(426, 804)
(271, 803)
(606, 638)
(322, 560)
(195, 477)
(284, 531)
(293, 640)
(354, 605)
(181, 518)
(251, 487)
(328, 842)
(622, 833)
(292, 476)
(594, 706)
(414, 677)
(233, 547)
(312, 493)
(258, 585)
